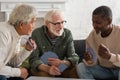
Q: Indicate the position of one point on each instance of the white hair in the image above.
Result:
(22, 13)
(49, 14)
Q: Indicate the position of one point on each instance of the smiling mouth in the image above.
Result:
(58, 30)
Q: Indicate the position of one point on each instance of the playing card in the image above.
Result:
(62, 67)
(92, 53)
(47, 55)
(50, 54)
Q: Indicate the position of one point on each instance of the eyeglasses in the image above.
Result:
(58, 23)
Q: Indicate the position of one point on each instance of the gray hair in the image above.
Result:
(22, 13)
(49, 14)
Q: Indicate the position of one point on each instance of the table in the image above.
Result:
(52, 78)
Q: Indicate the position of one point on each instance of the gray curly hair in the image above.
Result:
(22, 13)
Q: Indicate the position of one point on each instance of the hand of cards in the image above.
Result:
(50, 54)
(92, 53)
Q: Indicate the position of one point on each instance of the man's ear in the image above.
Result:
(20, 25)
(109, 20)
(46, 22)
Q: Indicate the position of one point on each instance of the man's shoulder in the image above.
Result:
(92, 35)
(67, 30)
(93, 32)
(67, 34)
(116, 27)
(5, 27)
(38, 29)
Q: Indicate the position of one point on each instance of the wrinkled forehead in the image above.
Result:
(58, 17)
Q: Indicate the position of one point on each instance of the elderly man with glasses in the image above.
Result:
(53, 38)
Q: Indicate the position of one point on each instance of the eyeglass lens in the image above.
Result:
(58, 23)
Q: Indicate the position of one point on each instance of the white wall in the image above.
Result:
(79, 13)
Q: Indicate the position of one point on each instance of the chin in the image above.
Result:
(97, 31)
(59, 34)
(28, 34)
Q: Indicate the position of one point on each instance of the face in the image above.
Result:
(27, 27)
(55, 27)
(100, 24)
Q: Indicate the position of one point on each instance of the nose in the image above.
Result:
(94, 25)
(33, 26)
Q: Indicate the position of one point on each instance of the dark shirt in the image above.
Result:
(63, 46)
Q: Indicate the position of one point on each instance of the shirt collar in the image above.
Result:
(14, 32)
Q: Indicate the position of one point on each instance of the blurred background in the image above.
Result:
(78, 12)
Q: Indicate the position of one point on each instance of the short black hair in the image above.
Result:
(104, 11)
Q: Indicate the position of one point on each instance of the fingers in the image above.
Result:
(33, 44)
(30, 45)
(87, 56)
(103, 49)
(24, 73)
(54, 70)
(104, 52)
(53, 61)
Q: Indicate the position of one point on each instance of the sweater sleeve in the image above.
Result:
(115, 59)
(71, 55)
(20, 57)
(10, 72)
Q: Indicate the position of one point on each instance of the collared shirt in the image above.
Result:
(63, 47)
